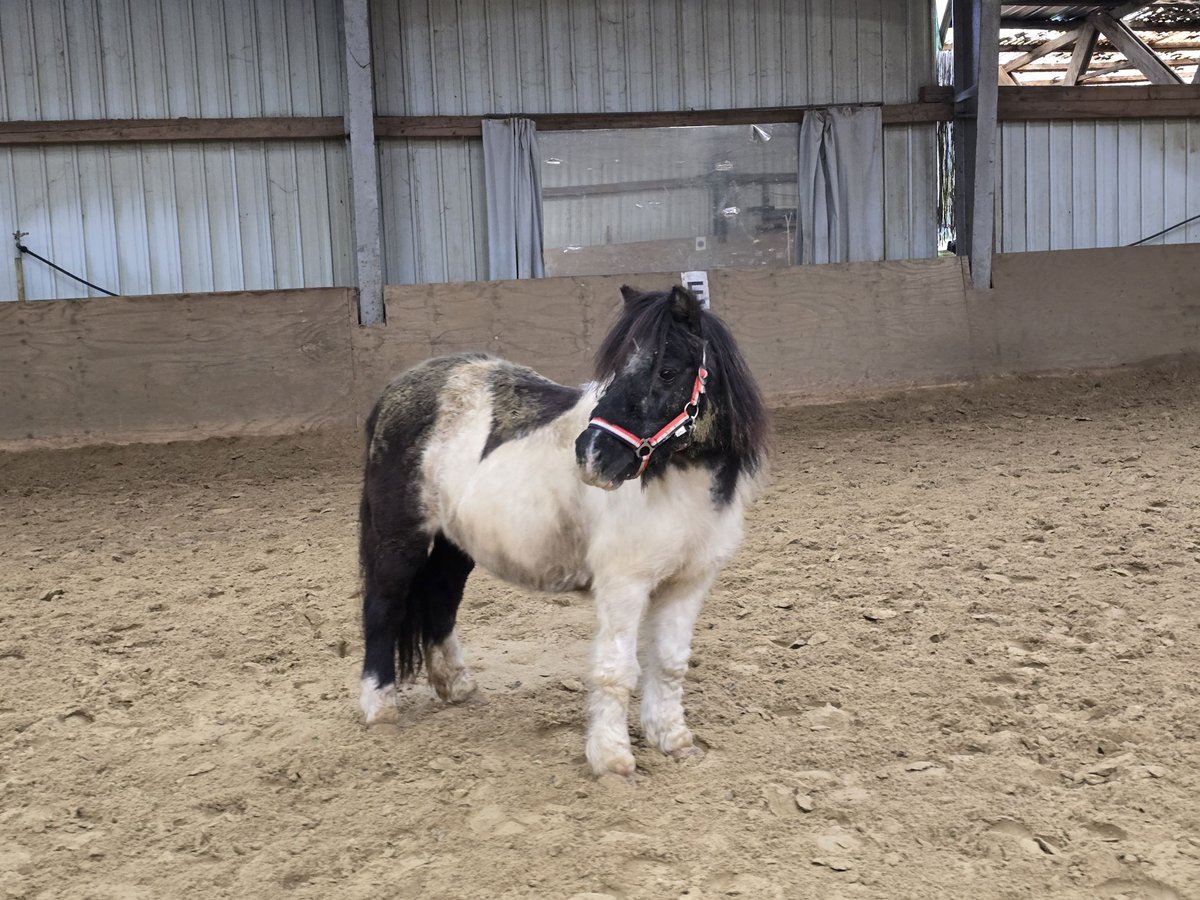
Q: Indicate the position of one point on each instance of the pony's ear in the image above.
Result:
(685, 308)
(631, 293)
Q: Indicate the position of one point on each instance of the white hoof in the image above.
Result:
(378, 703)
(611, 761)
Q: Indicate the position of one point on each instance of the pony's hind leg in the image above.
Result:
(393, 548)
(674, 609)
(437, 591)
(388, 571)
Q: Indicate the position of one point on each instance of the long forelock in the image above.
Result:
(643, 325)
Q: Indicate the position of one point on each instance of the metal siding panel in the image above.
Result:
(50, 59)
(1192, 179)
(744, 62)
(1175, 208)
(129, 220)
(614, 77)
(191, 213)
(149, 62)
(502, 59)
(100, 237)
(718, 56)
(246, 61)
(1153, 153)
(531, 62)
(446, 58)
(254, 228)
(795, 53)
(769, 52)
(819, 37)
(1129, 209)
(458, 232)
(585, 58)
(224, 246)
(1083, 184)
(1060, 223)
(666, 56)
(33, 216)
(387, 58)
(8, 217)
(1104, 185)
(871, 51)
(162, 224)
(1037, 186)
(283, 193)
(312, 211)
(420, 89)
(179, 46)
(557, 41)
(396, 213)
(87, 88)
(639, 59)
(65, 243)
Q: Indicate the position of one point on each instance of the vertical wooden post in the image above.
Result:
(964, 121)
(364, 165)
(19, 265)
(983, 218)
(976, 56)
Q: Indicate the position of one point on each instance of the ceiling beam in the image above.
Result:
(1081, 59)
(1050, 46)
(1135, 49)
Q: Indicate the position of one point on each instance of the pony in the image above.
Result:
(631, 488)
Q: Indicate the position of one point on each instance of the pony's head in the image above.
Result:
(671, 382)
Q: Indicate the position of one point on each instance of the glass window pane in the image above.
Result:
(668, 199)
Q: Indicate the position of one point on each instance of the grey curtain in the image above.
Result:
(840, 209)
(513, 180)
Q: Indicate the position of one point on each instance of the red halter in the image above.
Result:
(677, 427)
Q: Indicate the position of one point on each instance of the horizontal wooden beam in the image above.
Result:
(102, 131)
(935, 105)
(1025, 103)
(469, 126)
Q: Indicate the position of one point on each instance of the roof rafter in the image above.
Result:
(1135, 49)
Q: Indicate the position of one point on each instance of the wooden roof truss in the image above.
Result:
(1070, 43)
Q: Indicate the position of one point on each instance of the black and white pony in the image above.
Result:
(631, 488)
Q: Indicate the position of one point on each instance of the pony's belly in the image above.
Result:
(528, 537)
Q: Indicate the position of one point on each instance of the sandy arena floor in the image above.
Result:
(956, 658)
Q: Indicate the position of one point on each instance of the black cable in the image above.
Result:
(1165, 230)
(94, 287)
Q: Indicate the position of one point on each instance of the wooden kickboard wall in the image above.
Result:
(186, 366)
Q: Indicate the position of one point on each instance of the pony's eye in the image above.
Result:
(666, 374)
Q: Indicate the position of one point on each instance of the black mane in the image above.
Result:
(740, 435)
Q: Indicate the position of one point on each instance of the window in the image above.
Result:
(668, 199)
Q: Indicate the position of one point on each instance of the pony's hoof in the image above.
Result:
(378, 704)
(614, 762)
(459, 688)
(691, 751)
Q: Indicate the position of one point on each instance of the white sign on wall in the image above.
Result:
(697, 283)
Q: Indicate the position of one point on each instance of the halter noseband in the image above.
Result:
(677, 427)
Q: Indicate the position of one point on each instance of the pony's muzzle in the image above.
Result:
(596, 467)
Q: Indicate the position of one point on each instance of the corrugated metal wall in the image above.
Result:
(158, 218)
(508, 56)
(195, 217)
(1067, 185)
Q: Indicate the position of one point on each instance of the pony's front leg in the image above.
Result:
(674, 609)
(614, 675)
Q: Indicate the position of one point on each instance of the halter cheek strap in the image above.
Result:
(644, 447)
